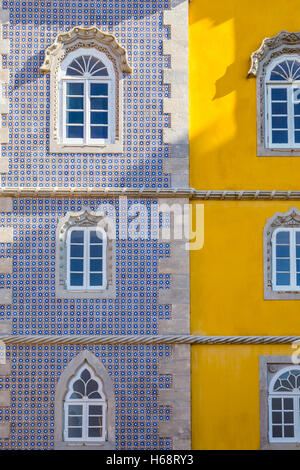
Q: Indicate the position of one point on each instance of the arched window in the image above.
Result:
(86, 258)
(284, 406)
(282, 89)
(85, 408)
(87, 98)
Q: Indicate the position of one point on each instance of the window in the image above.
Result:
(284, 406)
(86, 258)
(286, 259)
(87, 70)
(283, 103)
(282, 256)
(86, 99)
(85, 408)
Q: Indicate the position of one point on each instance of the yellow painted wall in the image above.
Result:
(225, 395)
(223, 34)
(227, 274)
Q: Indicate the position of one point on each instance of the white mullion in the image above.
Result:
(269, 116)
(84, 421)
(88, 111)
(296, 418)
(293, 257)
(86, 258)
(290, 110)
(64, 110)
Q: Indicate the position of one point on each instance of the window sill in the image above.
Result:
(105, 445)
(279, 152)
(56, 147)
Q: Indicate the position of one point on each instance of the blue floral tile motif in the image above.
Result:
(137, 25)
(35, 309)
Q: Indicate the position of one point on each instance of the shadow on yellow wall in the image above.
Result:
(223, 100)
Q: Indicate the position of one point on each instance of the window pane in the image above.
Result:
(76, 251)
(288, 403)
(95, 410)
(297, 137)
(96, 251)
(288, 417)
(95, 432)
(288, 431)
(298, 279)
(76, 279)
(279, 94)
(74, 103)
(99, 103)
(276, 431)
(282, 251)
(96, 265)
(75, 432)
(297, 251)
(75, 421)
(74, 117)
(100, 118)
(283, 237)
(279, 108)
(279, 137)
(77, 236)
(282, 279)
(95, 421)
(297, 109)
(99, 132)
(99, 89)
(75, 410)
(75, 132)
(74, 88)
(77, 265)
(283, 265)
(96, 279)
(279, 122)
(276, 417)
(95, 237)
(276, 403)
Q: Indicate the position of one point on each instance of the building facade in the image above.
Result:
(244, 166)
(94, 135)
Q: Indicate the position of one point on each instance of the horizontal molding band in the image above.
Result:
(190, 193)
(146, 339)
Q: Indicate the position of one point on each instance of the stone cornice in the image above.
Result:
(189, 193)
(145, 339)
(85, 34)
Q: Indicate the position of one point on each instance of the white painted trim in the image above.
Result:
(86, 259)
(85, 403)
(289, 86)
(293, 281)
(295, 395)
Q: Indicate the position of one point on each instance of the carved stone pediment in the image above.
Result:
(288, 219)
(89, 35)
(281, 40)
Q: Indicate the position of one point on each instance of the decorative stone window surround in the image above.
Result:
(268, 367)
(85, 357)
(283, 44)
(289, 219)
(85, 38)
(84, 218)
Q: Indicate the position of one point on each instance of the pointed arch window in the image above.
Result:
(284, 406)
(87, 98)
(85, 408)
(282, 87)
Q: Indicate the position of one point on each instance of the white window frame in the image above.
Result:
(295, 395)
(86, 258)
(289, 86)
(85, 403)
(293, 281)
(87, 79)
